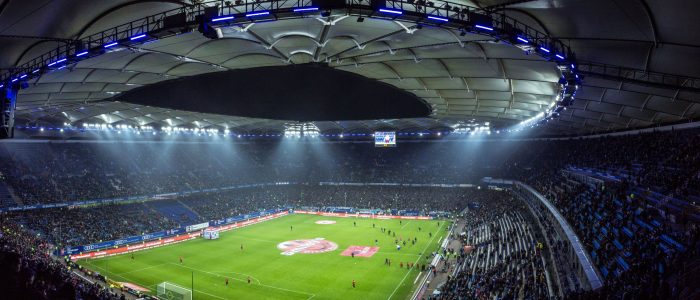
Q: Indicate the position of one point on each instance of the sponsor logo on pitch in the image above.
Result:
(325, 222)
(312, 246)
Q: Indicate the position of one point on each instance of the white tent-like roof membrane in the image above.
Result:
(639, 60)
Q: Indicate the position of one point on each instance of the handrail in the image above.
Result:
(543, 232)
(589, 270)
(642, 77)
(584, 260)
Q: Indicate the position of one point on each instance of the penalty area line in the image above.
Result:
(107, 273)
(205, 293)
(260, 284)
(142, 269)
(228, 272)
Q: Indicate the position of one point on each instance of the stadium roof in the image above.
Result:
(639, 60)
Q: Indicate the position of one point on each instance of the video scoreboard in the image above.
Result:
(385, 139)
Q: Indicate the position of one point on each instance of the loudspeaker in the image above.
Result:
(211, 12)
(79, 46)
(483, 20)
(511, 33)
(172, 25)
(174, 21)
(377, 4)
(210, 32)
(203, 21)
(8, 97)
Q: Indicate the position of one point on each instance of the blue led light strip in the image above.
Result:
(255, 14)
(438, 18)
(390, 11)
(305, 9)
(484, 27)
(138, 37)
(222, 18)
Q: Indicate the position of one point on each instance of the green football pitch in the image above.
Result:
(276, 273)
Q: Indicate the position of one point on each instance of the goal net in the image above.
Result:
(210, 234)
(171, 291)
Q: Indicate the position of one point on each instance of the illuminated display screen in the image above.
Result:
(385, 139)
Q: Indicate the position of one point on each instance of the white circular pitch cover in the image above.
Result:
(325, 222)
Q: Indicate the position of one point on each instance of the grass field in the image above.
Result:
(326, 275)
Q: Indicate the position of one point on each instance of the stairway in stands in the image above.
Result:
(175, 211)
(7, 198)
(199, 217)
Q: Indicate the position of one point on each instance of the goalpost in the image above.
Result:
(210, 234)
(171, 291)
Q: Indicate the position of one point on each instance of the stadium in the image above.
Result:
(349, 149)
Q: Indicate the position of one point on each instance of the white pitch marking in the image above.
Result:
(229, 272)
(404, 254)
(215, 296)
(265, 285)
(421, 255)
(139, 270)
(106, 271)
(414, 281)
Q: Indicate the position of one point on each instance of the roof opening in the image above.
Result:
(306, 92)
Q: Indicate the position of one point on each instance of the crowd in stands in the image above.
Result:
(29, 271)
(502, 259)
(639, 249)
(217, 206)
(65, 172)
(61, 172)
(666, 162)
(565, 262)
(422, 199)
(638, 220)
(82, 226)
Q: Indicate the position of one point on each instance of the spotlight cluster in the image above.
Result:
(569, 84)
(293, 130)
(123, 128)
(119, 128)
(301, 129)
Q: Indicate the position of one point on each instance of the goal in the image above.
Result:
(171, 291)
(210, 233)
